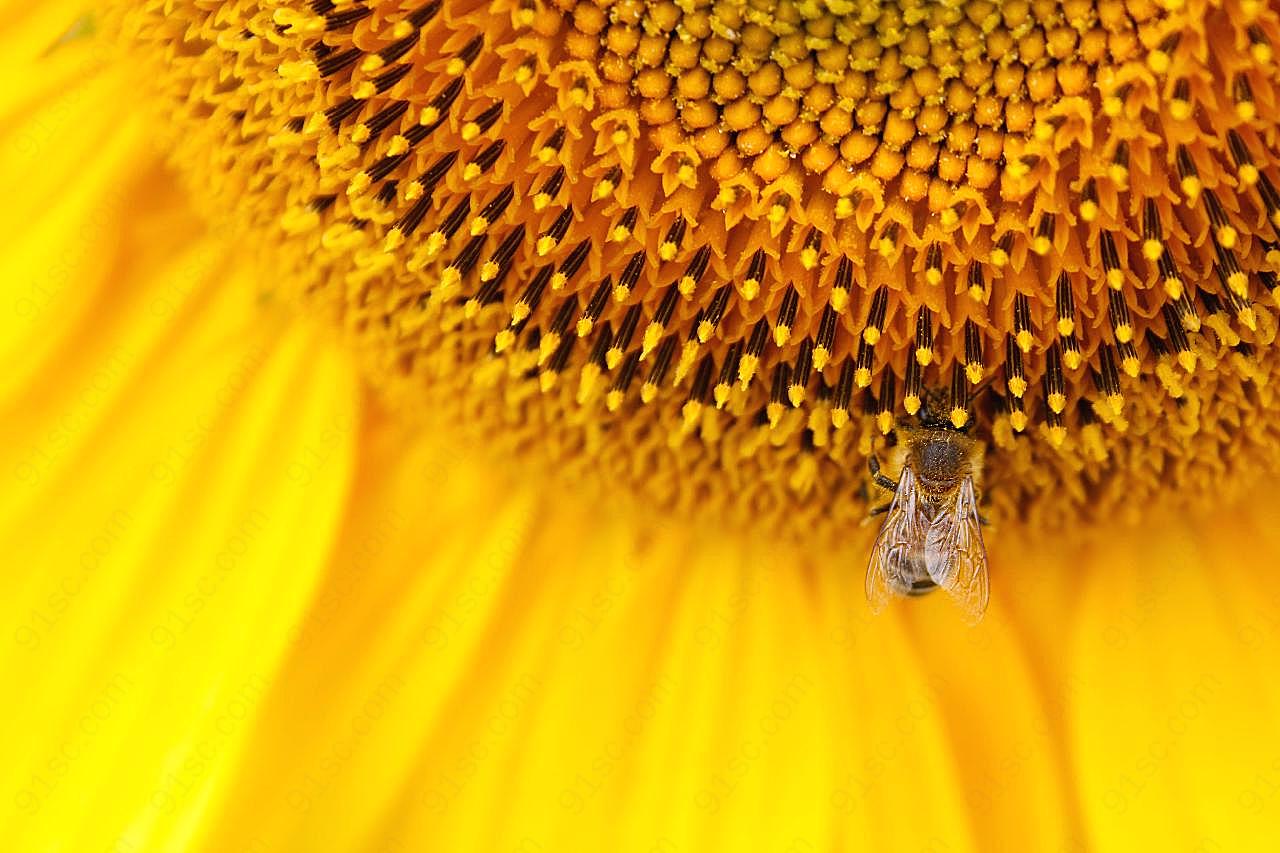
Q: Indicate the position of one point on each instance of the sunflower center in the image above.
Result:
(713, 251)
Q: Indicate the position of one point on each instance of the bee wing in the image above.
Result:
(903, 526)
(955, 555)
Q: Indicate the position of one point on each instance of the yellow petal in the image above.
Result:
(620, 689)
(1173, 727)
(175, 455)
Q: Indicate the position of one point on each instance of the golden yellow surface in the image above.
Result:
(244, 610)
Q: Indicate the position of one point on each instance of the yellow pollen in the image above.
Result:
(393, 241)
(1239, 283)
(398, 145)
(359, 184)
(450, 278)
(652, 334)
(435, 243)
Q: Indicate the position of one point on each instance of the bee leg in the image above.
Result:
(873, 465)
(876, 510)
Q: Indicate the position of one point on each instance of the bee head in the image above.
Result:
(934, 413)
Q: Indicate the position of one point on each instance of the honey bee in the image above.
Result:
(932, 531)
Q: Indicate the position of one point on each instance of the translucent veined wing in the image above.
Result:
(955, 556)
(903, 531)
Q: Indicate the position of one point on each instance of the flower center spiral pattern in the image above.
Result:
(712, 251)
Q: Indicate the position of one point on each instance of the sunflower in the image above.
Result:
(444, 425)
